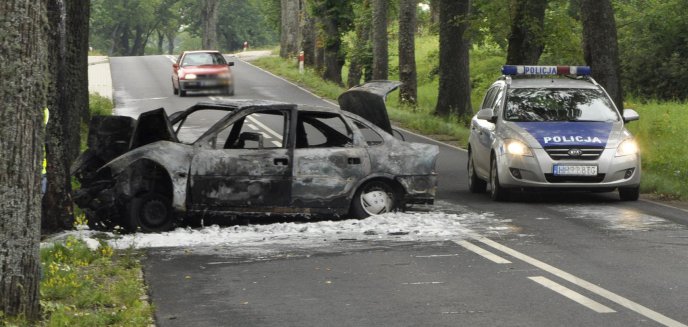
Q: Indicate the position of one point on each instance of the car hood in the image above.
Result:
(205, 69)
(368, 101)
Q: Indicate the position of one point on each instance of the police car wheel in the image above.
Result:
(497, 192)
(629, 193)
(475, 184)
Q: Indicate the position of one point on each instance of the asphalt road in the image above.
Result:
(567, 259)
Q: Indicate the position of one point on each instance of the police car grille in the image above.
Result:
(562, 153)
(574, 179)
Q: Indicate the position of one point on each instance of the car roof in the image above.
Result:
(201, 51)
(552, 82)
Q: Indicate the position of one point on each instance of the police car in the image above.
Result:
(551, 127)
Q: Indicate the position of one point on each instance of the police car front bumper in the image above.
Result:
(538, 171)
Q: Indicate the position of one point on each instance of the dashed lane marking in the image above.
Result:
(572, 295)
(484, 253)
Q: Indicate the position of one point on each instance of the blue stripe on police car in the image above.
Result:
(594, 134)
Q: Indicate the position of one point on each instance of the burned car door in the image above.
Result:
(247, 167)
(328, 164)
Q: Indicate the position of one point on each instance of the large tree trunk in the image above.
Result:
(333, 58)
(360, 57)
(408, 91)
(209, 23)
(309, 39)
(600, 46)
(23, 70)
(290, 33)
(170, 42)
(455, 88)
(526, 41)
(380, 40)
(67, 101)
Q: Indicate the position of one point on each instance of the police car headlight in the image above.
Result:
(518, 148)
(626, 148)
(190, 76)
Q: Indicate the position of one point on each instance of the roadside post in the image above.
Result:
(245, 46)
(301, 58)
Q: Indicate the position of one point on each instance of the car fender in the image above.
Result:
(175, 158)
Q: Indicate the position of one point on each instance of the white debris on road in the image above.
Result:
(433, 226)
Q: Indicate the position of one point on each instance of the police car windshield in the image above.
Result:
(547, 104)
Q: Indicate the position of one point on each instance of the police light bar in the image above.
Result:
(545, 70)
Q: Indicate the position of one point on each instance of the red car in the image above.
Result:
(202, 70)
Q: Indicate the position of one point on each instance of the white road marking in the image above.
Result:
(267, 129)
(647, 312)
(572, 295)
(423, 283)
(253, 127)
(437, 255)
(277, 143)
(484, 253)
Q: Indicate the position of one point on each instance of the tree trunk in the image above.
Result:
(209, 23)
(435, 14)
(380, 40)
(161, 42)
(360, 57)
(290, 33)
(67, 101)
(170, 42)
(600, 46)
(139, 44)
(526, 41)
(454, 88)
(333, 58)
(408, 91)
(308, 42)
(23, 70)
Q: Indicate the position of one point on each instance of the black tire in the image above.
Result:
(374, 198)
(475, 184)
(497, 192)
(629, 193)
(182, 93)
(150, 213)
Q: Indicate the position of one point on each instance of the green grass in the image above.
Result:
(660, 131)
(661, 134)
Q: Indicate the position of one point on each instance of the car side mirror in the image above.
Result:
(630, 115)
(487, 114)
(251, 136)
(231, 63)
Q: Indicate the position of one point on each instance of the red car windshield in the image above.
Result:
(203, 58)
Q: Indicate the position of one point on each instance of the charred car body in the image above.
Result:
(256, 158)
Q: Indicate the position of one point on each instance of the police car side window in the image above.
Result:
(497, 105)
(489, 98)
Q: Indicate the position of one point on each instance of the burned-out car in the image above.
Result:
(252, 157)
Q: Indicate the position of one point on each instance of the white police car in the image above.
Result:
(545, 127)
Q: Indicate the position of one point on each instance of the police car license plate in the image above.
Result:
(563, 170)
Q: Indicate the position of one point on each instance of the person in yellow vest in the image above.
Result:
(44, 177)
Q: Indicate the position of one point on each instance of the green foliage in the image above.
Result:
(653, 42)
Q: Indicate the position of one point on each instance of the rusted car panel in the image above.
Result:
(309, 161)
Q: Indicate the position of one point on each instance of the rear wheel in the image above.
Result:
(374, 198)
(497, 192)
(629, 193)
(475, 184)
(150, 212)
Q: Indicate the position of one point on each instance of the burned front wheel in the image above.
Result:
(374, 198)
(150, 212)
